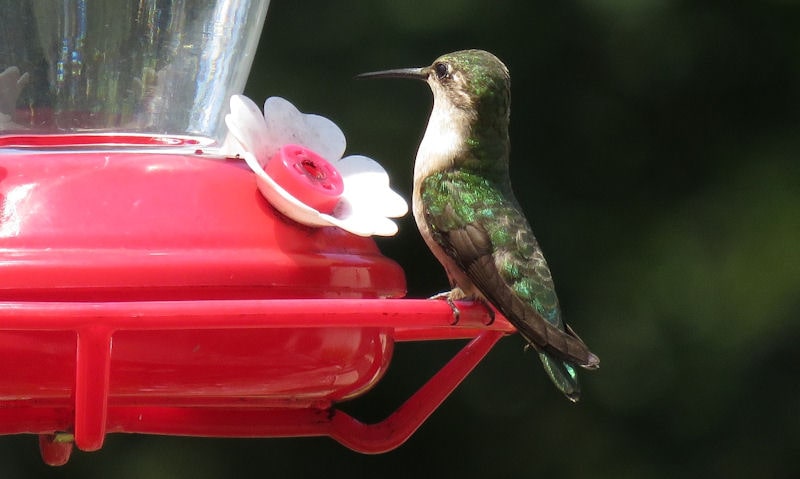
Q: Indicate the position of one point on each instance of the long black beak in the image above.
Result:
(415, 73)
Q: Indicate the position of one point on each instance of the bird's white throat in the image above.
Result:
(444, 140)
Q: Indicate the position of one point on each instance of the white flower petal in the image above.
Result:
(363, 170)
(246, 124)
(394, 205)
(367, 183)
(231, 146)
(361, 223)
(379, 203)
(328, 138)
(285, 124)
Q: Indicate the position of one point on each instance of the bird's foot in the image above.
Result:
(451, 297)
(489, 311)
(456, 294)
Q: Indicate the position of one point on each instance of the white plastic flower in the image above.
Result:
(366, 202)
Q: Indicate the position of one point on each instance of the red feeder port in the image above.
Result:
(159, 293)
(306, 176)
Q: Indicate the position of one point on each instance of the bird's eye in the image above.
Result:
(441, 70)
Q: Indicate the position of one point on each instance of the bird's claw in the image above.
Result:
(447, 296)
(457, 295)
(489, 311)
(456, 311)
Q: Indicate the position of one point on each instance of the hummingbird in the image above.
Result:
(467, 213)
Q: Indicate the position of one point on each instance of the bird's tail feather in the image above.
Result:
(563, 376)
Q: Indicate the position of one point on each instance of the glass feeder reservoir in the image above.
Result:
(145, 283)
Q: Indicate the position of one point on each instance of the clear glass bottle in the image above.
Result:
(152, 67)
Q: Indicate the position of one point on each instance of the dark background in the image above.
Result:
(655, 151)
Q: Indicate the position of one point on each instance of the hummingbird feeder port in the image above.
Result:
(129, 218)
(366, 201)
(306, 176)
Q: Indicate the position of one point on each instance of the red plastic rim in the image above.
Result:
(99, 139)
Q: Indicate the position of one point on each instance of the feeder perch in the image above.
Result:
(146, 286)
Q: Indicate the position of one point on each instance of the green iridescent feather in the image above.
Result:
(460, 205)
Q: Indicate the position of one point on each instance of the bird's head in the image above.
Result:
(472, 81)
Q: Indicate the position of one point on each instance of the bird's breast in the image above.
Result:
(456, 276)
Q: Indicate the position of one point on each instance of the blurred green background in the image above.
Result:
(655, 149)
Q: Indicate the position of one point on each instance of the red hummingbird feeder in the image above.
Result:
(146, 286)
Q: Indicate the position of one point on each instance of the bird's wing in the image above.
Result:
(485, 233)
